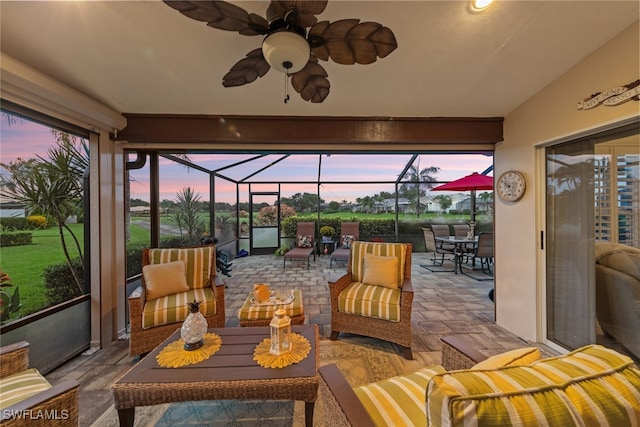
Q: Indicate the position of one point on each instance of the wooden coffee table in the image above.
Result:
(231, 373)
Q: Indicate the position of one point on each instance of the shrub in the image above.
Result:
(134, 258)
(59, 283)
(9, 301)
(14, 223)
(37, 221)
(282, 250)
(21, 238)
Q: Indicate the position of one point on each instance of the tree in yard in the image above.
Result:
(302, 202)
(268, 215)
(486, 197)
(186, 215)
(367, 203)
(415, 179)
(53, 187)
(445, 202)
(333, 207)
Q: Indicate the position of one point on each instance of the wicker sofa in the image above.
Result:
(589, 386)
(27, 398)
(151, 321)
(618, 293)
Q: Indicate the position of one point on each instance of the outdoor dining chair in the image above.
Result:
(432, 245)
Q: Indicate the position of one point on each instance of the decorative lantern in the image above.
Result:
(280, 330)
(194, 327)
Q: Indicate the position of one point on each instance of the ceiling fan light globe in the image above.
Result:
(286, 51)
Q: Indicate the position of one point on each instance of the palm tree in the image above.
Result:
(53, 187)
(186, 216)
(414, 181)
(444, 201)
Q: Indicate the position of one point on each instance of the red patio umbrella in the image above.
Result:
(472, 182)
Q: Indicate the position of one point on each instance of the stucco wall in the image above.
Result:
(550, 115)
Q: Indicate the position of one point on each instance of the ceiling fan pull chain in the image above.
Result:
(286, 88)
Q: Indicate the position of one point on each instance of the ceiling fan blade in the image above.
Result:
(307, 9)
(348, 41)
(246, 70)
(222, 15)
(311, 82)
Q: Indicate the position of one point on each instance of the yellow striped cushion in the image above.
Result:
(261, 312)
(199, 262)
(370, 301)
(398, 401)
(589, 386)
(20, 386)
(174, 308)
(358, 249)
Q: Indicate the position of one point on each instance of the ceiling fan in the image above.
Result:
(294, 41)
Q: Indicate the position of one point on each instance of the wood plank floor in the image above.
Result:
(444, 304)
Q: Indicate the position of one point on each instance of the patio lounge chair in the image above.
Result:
(305, 243)
(375, 297)
(349, 232)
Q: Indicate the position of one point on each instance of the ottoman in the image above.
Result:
(261, 315)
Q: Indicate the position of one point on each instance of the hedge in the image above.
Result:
(21, 238)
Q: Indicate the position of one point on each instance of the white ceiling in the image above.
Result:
(145, 57)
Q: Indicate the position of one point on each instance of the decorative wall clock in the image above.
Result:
(511, 186)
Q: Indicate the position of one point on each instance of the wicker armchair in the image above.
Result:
(352, 309)
(153, 321)
(52, 406)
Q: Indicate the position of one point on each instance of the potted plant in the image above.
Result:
(327, 232)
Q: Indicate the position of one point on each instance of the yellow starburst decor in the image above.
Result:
(300, 349)
(174, 355)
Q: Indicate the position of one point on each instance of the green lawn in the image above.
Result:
(25, 264)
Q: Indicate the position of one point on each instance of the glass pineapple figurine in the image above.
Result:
(194, 327)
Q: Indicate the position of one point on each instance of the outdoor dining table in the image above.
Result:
(460, 244)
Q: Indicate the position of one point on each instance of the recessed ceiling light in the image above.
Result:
(479, 5)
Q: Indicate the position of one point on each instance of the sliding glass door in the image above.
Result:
(592, 194)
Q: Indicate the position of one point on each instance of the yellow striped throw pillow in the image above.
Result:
(198, 262)
(589, 386)
(398, 401)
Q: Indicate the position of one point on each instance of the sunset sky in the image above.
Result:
(26, 139)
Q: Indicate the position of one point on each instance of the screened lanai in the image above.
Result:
(232, 189)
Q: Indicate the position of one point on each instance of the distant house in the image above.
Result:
(140, 210)
(9, 208)
(12, 210)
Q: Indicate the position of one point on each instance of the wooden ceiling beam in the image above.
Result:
(331, 133)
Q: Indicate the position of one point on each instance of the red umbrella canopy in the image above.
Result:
(475, 181)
